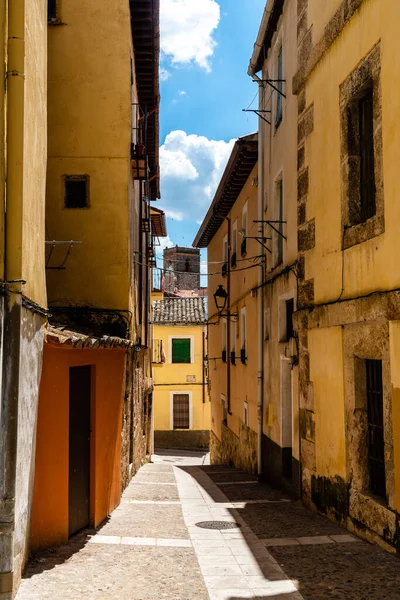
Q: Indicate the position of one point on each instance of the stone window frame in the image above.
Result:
(367, 74)
(361, 342)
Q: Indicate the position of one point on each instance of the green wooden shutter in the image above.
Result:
(181, 351)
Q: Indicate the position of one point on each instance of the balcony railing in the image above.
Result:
(243, 247)
(224, 356)
(233, 357)
(233, 260)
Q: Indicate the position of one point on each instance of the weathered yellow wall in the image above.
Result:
(171, 377)
(326, 373)
(90, 124)
(29, 234)
(394, 339)
(371, 265)
(243, 377)
(319, 13)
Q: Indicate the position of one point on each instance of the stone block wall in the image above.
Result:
(239, 452)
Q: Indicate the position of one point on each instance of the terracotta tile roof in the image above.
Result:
(179, 310)
(65, 337)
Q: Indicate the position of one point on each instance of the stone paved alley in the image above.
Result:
(152, 549)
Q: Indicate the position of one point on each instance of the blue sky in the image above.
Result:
(205, 50)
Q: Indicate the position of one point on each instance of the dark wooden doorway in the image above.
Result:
(79, 448)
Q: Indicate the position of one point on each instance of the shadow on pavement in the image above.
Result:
(45, 560)
(357, 570)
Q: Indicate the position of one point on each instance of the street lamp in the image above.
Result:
(220, 298)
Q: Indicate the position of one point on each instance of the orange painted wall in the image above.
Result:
(49, 525)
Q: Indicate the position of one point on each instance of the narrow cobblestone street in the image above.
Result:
(153, 548)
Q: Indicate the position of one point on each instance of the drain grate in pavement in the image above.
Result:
(217, 525)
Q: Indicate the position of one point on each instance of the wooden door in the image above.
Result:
(79, 448)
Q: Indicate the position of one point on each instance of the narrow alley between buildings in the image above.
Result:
(186, 530)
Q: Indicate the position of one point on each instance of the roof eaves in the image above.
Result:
(267, 29)
(216, 212)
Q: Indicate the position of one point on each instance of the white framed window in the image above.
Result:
(244, 229)
(279, 76)
(181, 349)
(245, 412)
(278, 217)
(286, 308)
(225, 249)
(267, 324)
(224, 339)
(234, 243)
(225, 254)
(224, 408)
(181, 410)
(243, 335)
(233, 342)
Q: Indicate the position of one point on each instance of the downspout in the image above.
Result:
(260, 295)
(203, 366)
(228, 322)
(15, 81)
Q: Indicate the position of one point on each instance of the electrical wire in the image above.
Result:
(201, 274)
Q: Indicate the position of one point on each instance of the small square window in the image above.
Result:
(76, 191)
(181, 350)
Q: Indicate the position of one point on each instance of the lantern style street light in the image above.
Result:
(220, 298)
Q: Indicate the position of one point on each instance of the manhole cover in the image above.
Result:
(218, 525)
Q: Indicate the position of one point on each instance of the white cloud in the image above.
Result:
(165, 242)
(191, 169)
(177, 215)
(182, 93)
(164, 74)
(187, 28)
(176, 164)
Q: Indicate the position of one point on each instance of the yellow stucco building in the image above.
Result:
(348, 321)
(96, 388)
(181, 401)
(228, 233)
(23, 303)
(272, 66)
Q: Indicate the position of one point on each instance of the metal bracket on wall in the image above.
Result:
(258, 113)
(259, 239)
(271, 224)
(271, 82)
(52, 245)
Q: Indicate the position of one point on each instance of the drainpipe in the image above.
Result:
(260, 295)
(228, 322)
(15, 81)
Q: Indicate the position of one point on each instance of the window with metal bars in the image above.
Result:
(367, 167)
(181, 411)
(181, 350)
(376, 443)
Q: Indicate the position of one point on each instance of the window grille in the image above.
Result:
(367, 167)
(181, 411)
(376, 444)
(181, 350)
(76, 191)
(279, 96)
